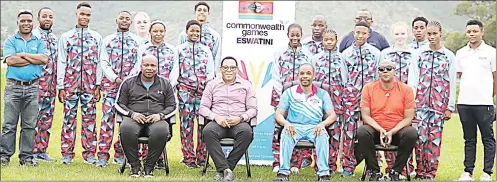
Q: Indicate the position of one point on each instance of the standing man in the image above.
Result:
(24, 54)
(419, 32)
(476, 68)
(362, 60)
(208, 36)
(433, 78)
(47, 89)
(314, 43)
(78, 80)
(375, 39)
(118, 57)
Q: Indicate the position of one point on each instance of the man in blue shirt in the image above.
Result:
(305, 105)
(374, 39)
(24, 54)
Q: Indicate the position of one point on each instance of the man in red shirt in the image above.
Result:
(387, 108)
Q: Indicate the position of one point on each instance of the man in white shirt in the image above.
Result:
(477, 71)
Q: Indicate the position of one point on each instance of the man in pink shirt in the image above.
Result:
(230, 101)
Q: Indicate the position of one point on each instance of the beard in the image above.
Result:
(44, 27)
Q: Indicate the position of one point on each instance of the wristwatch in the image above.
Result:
(162, 116)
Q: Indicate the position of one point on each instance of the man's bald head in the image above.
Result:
(386, 62)
(364, 15)
(149, 58)
(318, 27)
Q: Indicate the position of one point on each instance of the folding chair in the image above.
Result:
(227, 142)
(144, 140)
(303, 143)
(389, 148)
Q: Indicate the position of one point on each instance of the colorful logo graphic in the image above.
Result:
(255, 10)
(256, 73)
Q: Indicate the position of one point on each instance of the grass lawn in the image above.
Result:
(450, 168)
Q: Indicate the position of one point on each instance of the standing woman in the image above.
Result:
(285, 69)
(331, 70)
(142, 26)
(433, 78)
(401, 55)
(196, 67)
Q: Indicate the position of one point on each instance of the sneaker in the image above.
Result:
(90, 160)
(66, 160)
(376, 176)
(485, 177)
(4, 161)
(294, 170)
(135, 172)
(45, 157)
(228, 175)
(465, 176)
(219, 176)
(281, 177)
(276, 169)
(324, 178)
(413, 173)
(160, 164)
(346, 173)
(118, 161)
(101, 163)
(402, 177)
(340, 170)
(148, 173)
(28, 162)
(191, 165)
(394, 176)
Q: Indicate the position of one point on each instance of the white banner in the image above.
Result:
(252, 32)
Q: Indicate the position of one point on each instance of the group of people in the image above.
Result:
(398, 94)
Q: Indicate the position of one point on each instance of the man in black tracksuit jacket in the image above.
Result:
(145, 101)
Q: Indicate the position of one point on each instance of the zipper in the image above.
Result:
(195, 70)
(431, 79)
(122, 55)
(148, 99)
(158, 60)
(362, 69)
(293, 70)
(329, 68)
(50, 56)
(82, 62)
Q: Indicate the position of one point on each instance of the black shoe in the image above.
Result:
(148, 173)
(324, 178)
(376, 176)
(135, 172)
(282, 177)
(191, 165)
(160, 164)
(394, 176)
(4, 161)
(28, 162)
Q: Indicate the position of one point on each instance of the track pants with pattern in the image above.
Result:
(44, 125)
(188, 111)
(429, 144)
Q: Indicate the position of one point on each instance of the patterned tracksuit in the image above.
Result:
(331, 70)
(120, 52)
(416, 45)
(47, 92)
(79, 74)
(285, 67)
(196, 66)
(433, 78)
(362, 63)
(402, 60)
(210, 38)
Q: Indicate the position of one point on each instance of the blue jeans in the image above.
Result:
(20, 102)
(305, 132)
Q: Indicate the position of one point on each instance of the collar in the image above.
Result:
(44, 31)
(313, 92)
(18, 36)
(84, 29)
(424, 41)
(220, 80)
(333, 51)
(363, 45)
(479, 47)
(139, 79)
(298, 48)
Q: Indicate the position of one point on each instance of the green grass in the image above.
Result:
(450, 163)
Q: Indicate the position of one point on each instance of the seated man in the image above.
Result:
(231, 102)
(145, 100)
(387, 108)
(304, 105)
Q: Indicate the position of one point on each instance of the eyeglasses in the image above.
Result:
(228, 68)
(387, 68)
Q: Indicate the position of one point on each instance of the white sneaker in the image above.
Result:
(276, 169)
(340, 170)
(413, 173)
(294, 170)
(485, 177)
(466, 177)
(402, 177)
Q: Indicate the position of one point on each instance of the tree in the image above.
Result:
(479, 10)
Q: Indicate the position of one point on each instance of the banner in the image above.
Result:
(252, 32)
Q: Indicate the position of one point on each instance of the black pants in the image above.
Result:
(213, 133)
(405, 139)
(157, 134)
(482, 116)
